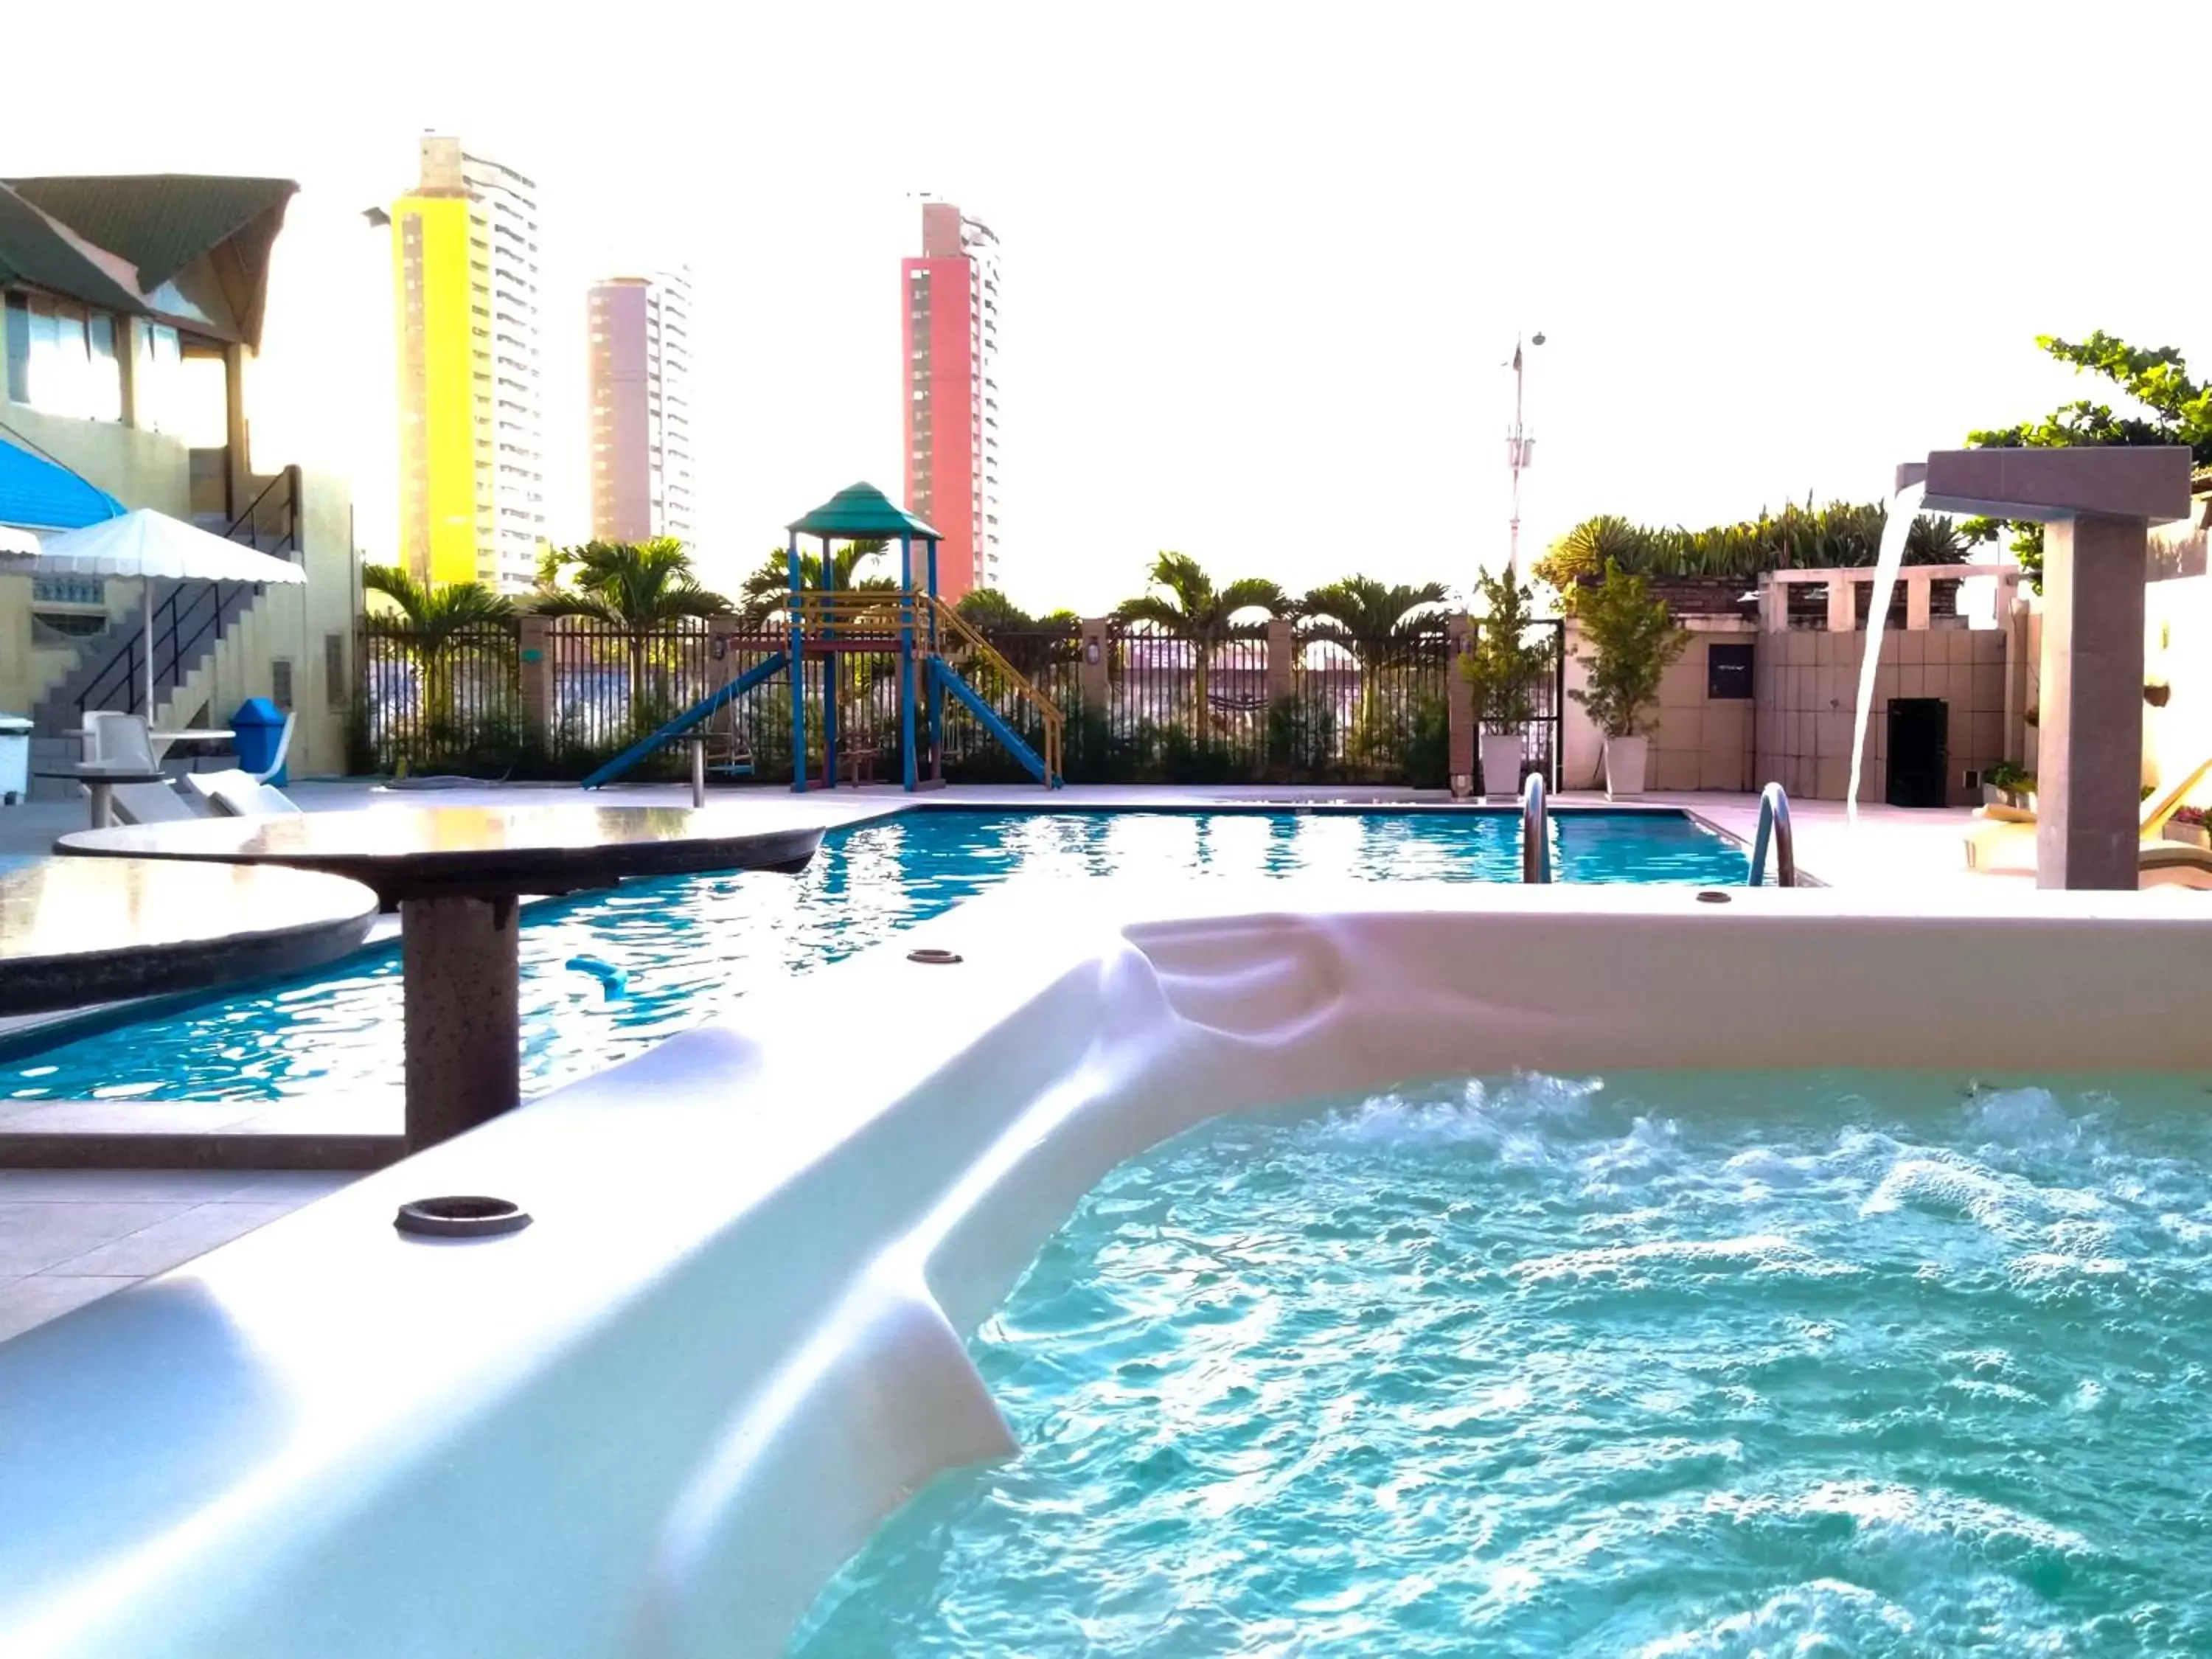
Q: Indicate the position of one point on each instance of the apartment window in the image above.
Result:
(280, 681)
(18, 348)
(334, 671)
(61, 358)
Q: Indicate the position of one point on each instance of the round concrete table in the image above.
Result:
(73, 932)
(454, 874)
(99, 779)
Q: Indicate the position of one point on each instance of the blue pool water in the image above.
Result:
(653, 958)
(1790, 1364)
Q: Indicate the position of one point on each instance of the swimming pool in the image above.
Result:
(1651, 1364)
(607, 975)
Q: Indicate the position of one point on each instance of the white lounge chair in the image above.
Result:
(239, 794)
(151, 803)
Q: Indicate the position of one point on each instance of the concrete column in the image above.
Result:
(1917, 598)
(1282, 657)
(1091, 667)
(128, 332)
(461, 991)
(537, 654)
(238, 472)
(1458, 707)
(2089, 766)
(2014, 614)
(1843, 615)
(1773, 604)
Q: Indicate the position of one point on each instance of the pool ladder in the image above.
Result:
(1773, 829)
(1773, 826)
(1535, 831)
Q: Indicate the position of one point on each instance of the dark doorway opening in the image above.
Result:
(1919, 751)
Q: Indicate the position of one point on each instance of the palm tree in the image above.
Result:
(767, 590)
(1375, 621)
(637, 588)
(437, 614)
(1189, 605)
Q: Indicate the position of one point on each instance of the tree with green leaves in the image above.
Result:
(1842, 534)
(987, 608)
(637, 588)
(1632, 640)
(1378, 622)
(438, 615)
(766, 593)
(2177, 411)
(1500, 663)
(1186, 602)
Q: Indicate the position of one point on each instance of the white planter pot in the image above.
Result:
(2189, 835)
(1624, 766)
(1501, 764)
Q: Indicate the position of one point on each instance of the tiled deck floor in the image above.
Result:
(69, 1237)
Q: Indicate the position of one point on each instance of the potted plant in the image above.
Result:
(2006, 784)
(2187, 826)
(1630, 641)
(1502, 666)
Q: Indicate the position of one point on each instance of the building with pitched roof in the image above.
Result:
(130, 305)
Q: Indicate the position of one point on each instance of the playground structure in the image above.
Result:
(828, 625)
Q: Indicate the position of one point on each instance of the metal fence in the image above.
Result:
(1542, 738)
(439, 700)
(1329, 707)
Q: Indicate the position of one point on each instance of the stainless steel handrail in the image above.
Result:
(1773, 825)
(1535, 831)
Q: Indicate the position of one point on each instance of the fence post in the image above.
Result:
(1282, 657)
(534, 658)
(1459, 705)
(1091, 665)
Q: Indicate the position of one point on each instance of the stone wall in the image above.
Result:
(1808, 690)
(1697, 742)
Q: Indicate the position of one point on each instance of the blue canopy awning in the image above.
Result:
(37, 494)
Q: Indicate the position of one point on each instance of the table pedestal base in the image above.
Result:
(463, 1014)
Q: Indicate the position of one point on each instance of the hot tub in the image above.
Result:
(657, 1420)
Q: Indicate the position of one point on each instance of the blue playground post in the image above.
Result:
(906, 661)
(797, 675)
(936, 691)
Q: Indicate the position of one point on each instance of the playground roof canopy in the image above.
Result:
(859, 510)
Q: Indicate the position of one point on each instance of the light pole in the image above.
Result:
(1520, 451)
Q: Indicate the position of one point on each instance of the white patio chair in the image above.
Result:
(276, 765)
(240, 794)
(118, 739)
(151, 803)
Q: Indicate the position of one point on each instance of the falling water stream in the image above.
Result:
(1903, 507)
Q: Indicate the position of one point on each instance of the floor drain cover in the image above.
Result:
(1714, 896)
(461, 1218)
(934, 957)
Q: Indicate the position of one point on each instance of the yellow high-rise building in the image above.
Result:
(464, 270)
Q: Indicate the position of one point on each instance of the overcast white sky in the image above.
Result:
(1263, 264)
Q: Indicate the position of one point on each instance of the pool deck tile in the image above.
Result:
(69, 1237)
(39, 1234)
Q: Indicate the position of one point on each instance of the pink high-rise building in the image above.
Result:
(951, 331)
(641, 385)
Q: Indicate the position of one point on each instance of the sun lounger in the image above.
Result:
(151, 803)
(235, 793)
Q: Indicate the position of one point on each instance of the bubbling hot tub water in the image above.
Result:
(1663, 1363)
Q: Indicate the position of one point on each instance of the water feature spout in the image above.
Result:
(1903, 507)
(2099, 503)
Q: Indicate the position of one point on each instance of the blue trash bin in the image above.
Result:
(256, 730)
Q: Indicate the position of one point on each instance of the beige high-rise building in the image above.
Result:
(641, 383)
(472, 420)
